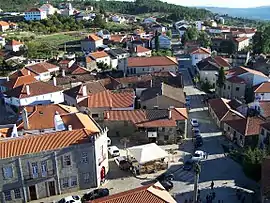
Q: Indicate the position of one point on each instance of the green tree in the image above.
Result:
(169, 33)
(204, 39)
(206, 86)
(156, 41)
(103, 66)
(221, 78)
(99, 22)
(228, 46)
(261, 41)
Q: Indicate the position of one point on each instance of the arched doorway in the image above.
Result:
(102, 175)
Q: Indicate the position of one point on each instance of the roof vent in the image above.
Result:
(69, 127)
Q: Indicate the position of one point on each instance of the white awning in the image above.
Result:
(147, 153)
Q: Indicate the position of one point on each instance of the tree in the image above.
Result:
(103, 66)
(169, 33)
(157, 41)
(190, 34)
(261, 41)
(221, 77)
(204, 39)
(228, 46)
(99, 22)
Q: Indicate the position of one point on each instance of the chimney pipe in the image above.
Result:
(84, 90)
(7, 79)
(69, 127)
(169, 113)
(107, 116)
(63, 73)
(27, 89)
(54, 81)
(25, 119)
(29, 73)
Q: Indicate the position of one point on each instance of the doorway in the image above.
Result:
(51, 185)
(33, 192)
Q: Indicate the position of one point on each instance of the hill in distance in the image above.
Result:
(258, 13)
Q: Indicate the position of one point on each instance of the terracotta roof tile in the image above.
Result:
(263, 88)
(241, 39)
(4, 23)
(42, 116)
(36, 88)
(199, 50)
(15, 82)
(14, 42)
(123, 99)
(76, 70)
(144, 194)
(241, 70)
(236, 79)
(265, 108)
(21, 72)
(30, 144)
(141, 49)
(41, 67)
(221, 61)
(151, 61)
(246, 126)
(117, 38)
(98, 54)
(93, 37)
(219, 106)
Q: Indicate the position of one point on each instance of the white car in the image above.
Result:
(71, 199)
(114, 151)
(198, 155)
(194, 122)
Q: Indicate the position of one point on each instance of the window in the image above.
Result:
(86, 177)
(7, 195)
(229, 87)
(34, 169)
(94, 115)
(67, 160)
(163, 129)
(8, 172)
(64, 182)
(17, 193)
(73, 181)
(44, 168)
(224, 87)
(84, 158)
(237, 89)
(166, 137)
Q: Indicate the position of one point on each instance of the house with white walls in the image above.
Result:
(35, 14)
(91, 43)
(262, 92)
(100, 57)
(198, 54)
(36, 93)
(141, 51)
(13, 45)
(118, 19)
(49, 9)
(118, 56)
(104, 34)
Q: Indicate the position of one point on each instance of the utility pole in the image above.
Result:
(197, 170)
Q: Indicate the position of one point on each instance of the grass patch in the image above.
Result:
(117, 27)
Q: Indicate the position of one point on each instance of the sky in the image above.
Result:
(222, 3)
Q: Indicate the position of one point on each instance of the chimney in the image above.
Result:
(25, 119)
(69, 127)
(84, 90)
(7, 79)
(151, 83)
(29, 73)
(54, 81)
(63, 73)
(27, 89)
(107, 115)
(169, 113)
(135, 49)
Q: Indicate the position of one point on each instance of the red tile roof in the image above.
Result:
(41, 67)
(247, 126)
(93, 37)
(221, 61)
(14, 42)
(144, 194)
(219, 106)
(15, 82)
(76, 70)
(98, 54)
(236, 79)
(241, 70)
(200, 50)
(109, 99)
(141, 49)
(151, 61)
(36, 88)
(30, 144)
(241, 39)
(20, 73)
(263, 88)
(265, 108)
(42, 116)
(4, 23)
(117, 38)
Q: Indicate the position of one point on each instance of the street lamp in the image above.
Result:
(197, 170)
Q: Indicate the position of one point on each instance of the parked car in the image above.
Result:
(95, 194)
(194, 122)
(71, 199)
(196, 132)
(114, 151)
(168, 185)
(165, 176)
(122, 163)
(188, 165)
(198, 141)
(198, 155)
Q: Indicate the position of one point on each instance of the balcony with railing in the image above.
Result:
(39, 175)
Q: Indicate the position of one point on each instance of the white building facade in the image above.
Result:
(35, 14)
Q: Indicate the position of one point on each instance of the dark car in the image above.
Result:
(165, 177)
(95, 194)
(188, 165)
(198, 141)
(168, 185)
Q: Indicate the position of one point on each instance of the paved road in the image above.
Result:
(226, 173)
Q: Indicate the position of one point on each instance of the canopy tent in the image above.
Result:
(147, 153)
